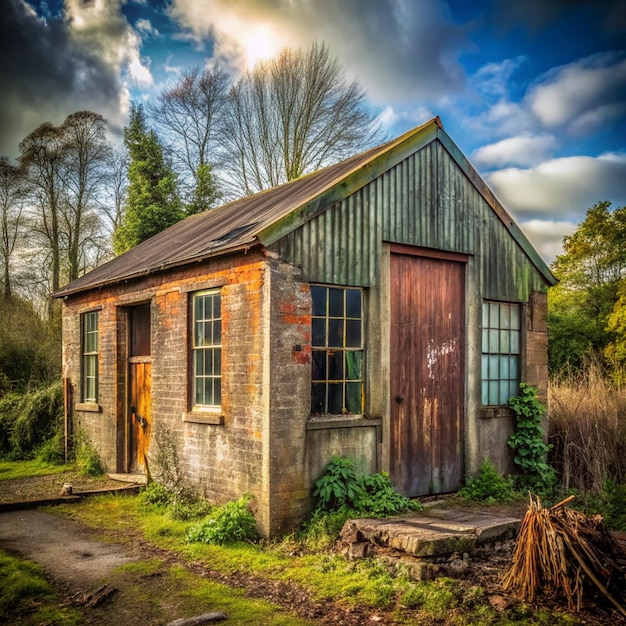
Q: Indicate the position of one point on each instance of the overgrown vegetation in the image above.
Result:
(341, 488)
(225, 524)
(30, 420)
(489, 486)
(528, 442)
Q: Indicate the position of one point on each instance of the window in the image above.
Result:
(207, 348)
(500, 352)
(337, 350)
(89, 353)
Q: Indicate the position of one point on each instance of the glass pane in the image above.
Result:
(208, 391)
(354, 395)
(217, 332)
(353, 303)
(199, 390)
(318, 398)
(217, 306)
(335, 302)
(354, 365)
(504, 341)
(335, 365)
(494, 315)
(485, 368)
(319, 365)
(318, 296)
(198, 306)
(485, 340)
(318, 332)
(208, 362)
(504, 316)
(504, 368)
(515, 342)
(494, 393)
(217, 391)
(494, 341)
(208, 307)
(514, 368)
(217, 361)
(515, 316)
(335, 398)
(485, 315)
(485, 392)
(353, 333)
(198, 357)
(494, 367)
(335, 333)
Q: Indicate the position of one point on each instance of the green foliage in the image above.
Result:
(28, 420)
(30, 350)
(228, 523)
(205, 193)
(610, 503)
(589, 272)
(182, 505)
(527, 441)
(152, 203)
(53, 450)
(340, 487)
(87, 457)
(615, 351)
(489, 486)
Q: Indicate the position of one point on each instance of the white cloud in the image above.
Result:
(582, 96)
(145, 28)
(547, 236)
(524, 150)
(493, 78)
(561, 187)
(399, 50)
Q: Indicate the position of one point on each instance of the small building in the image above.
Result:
(384, 309)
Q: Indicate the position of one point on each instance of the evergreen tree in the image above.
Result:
(152, 201)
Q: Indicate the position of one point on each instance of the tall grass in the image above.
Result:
(588, 430)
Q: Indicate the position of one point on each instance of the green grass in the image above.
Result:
(27, 597)
(10, 470)
(370, 584)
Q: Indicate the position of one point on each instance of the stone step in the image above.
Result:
(435, 533)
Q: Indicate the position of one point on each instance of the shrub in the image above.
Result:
(527, 441)
(228, 523)
(30, 419)
(489, 486)
(340, 487)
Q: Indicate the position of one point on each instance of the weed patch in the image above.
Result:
(228, 523)
(488, 487)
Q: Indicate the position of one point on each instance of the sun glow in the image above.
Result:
(261, 43)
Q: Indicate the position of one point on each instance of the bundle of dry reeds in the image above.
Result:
(562, 552)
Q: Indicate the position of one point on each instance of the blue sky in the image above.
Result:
(534, 92)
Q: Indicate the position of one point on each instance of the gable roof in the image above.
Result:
(267, 216)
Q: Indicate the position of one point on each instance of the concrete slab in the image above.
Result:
(437, 533)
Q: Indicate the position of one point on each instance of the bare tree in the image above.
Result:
(41, 155)
(292, 115)
(12, 195)
(190, 116)
(86, 154)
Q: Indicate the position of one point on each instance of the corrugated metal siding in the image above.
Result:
(426, 200)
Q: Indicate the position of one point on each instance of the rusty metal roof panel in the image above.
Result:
(264, 217)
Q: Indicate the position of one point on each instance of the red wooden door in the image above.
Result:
(427, 374)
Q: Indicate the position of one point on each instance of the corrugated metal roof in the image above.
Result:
(260, 218)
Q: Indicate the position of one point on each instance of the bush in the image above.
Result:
(28, 420)
(228, 523)
(340, 487)
(489, 486)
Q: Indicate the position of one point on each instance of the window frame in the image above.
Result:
(347, 319)
(500, 358)
(213, 347)
(89, 358)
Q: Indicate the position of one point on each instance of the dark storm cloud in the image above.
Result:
(45, 75)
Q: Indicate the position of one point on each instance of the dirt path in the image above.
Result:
(67, 550)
